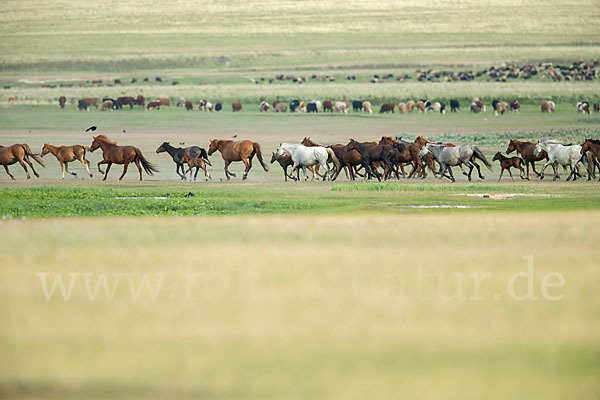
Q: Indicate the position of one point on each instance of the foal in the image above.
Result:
(66, 154)
(197, 162)
(507, 163)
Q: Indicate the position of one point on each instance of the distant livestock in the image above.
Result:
(312, 108)
(341, 107)
(82, 105)
(421, 106)
(387, 107)
(410, 106)
(280, 107)
(264, 107)
(62, 101)
(547, 106)
(188, 105)
(357, 105)
(140, 100)
(501, 108)
(91, 101)
(584, 107)
(514, 106)
(153, 104)
(107, 105)
(236, 106)
(218, 107)
(454, 105)
(114, 102)
(124, 101)
(327, 106)
(366, 107)
(164, 101)
(181, 102)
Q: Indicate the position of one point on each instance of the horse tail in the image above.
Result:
(204, 155)
(479, 154)
(256, 147)
(335, 160)
(148, 166)
(29, 153)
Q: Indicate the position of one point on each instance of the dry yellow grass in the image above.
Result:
(302, 307)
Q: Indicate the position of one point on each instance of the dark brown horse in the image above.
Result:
(506, 163)
(526, 150)
(19, 153)
(66, 154)
(406, 153)
(592, 146)
(237, 151)
(114, 154)
(373, 153)
(350, 161)
(285, 160)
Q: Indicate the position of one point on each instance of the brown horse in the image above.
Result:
(428, 158)
(114, 154)
(237, 151)
(592, 146)
(407, 153)
(66, 154)
(350, 161)
(19, 153)
(526, 149)
(506, 163)
(197, 162)
(285, 160)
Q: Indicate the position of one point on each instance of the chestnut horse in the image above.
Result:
(408, 153)
(197, 162)
(66, 154)
(237, 151)
(592, 146)
(506, 163)
(526, 149)
(114, 154)
(19, 153)
(350, 161)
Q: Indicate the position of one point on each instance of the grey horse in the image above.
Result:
(449, 157)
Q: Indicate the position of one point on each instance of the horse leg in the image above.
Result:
(521, 172)
(555, 167)
(196, 174)
(478, 170)
(67, 169)
(86, 163)
(25, 168)
(62, 167)
(125, 171)
(182, 174)
(206, 173)
(501, 172)
(99, 169)
(107, 169)
(248, 166)
(541, 174)
(451, 174)
(227, 173)
(510, 173)
(9, 174)
(31, 165)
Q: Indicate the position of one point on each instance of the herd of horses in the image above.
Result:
(381, 160)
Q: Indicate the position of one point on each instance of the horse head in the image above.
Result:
(512, 146)
(214, 146)
(95, 144)
(497, 156)
(162, 147)
(424, 151)
(45, 150)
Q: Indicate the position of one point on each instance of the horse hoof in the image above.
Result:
(244, 177)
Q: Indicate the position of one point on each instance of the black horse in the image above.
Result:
(371, 153)
(177, 152)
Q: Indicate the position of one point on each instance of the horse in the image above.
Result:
(66, 154)
(348, 160)
(285, 160)
(20, 153)
(114, 154)
(428, 158)
(304, 156)
(125, 100)
(237, 151)
(592, 146)
(153, 104)
(560, 154)
(198, 162)
(506, 163)
(406, 153)
(449, 157)
(177, 154)
(526, 149)
(370, 153)
(62, 100)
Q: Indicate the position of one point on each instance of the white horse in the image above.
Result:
(454, 156)
(303, 156)
(560, 154)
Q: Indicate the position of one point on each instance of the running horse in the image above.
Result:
(527, 152)
(115, 154)
(237, 151)
(591, 146)
(66, 154)
(19, 153)
(177, 154)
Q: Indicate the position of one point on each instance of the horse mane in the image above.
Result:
(104, 139)
(595, 141)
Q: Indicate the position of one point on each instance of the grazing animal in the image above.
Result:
(82, 105)
(125, 101)
(195, 162)
(410, 105)
(357, 105)
(475, 108)
(114, 103)
(514, 106)
(312, 108)
(454, 105)
(285, 160)
(189, 106)
(402, 108)
(218, 107)
(237, 151)
(164, 101)
(560, 154)
(328, 106)
(527, 152)
(421, 106)
(303, 156)
(62, 100)
(264, 107)
(177, 154)
(547, 106)
(91, 101)
(153, 104)
(591, 146)
(140, 101)
(107, 105)
(366, 107)
(20, 153)
(506, 163)
(301, 107)
(115, 154)
(341, 107)
(448, 157)
(501, 108)
(584, 107)
(280, 107)
(386, 108)
(181, 102)
(371, 153)
(66, 154)
(236, 106)
(597, 107)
